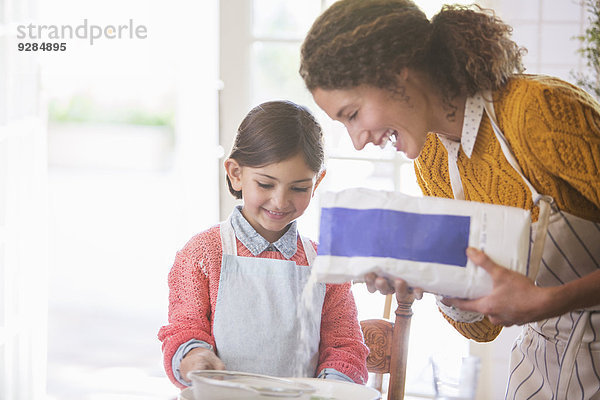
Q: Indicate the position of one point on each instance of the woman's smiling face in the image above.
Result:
(374, 115)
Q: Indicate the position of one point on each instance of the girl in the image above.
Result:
(449, 93)
(235, 288)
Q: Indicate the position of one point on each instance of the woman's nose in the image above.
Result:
(360, 138)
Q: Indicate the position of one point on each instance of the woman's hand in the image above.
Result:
(514, 298)
(200, 358)
(404, 293)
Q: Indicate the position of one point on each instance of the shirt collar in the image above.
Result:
(286, 245)
(474, 107)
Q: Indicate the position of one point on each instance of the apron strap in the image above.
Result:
(489, 108)
(455, 181)
(570, 355)
(541, 229)
(309, 250)
(228, 243)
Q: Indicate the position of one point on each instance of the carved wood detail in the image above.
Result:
(378, 337)
(388, 345)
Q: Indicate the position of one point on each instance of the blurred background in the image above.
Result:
(110, 160)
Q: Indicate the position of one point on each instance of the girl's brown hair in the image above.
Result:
(275, 131)
(462, 50)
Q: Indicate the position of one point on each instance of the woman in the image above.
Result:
(450, 94)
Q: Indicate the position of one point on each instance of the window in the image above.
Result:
(132, 144)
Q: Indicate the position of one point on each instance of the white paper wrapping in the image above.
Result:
(419, 239)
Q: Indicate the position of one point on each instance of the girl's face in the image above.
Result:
(274, 195)
(374, 115)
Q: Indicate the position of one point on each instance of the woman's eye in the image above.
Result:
(264, 185)
(352, 116)
(300, 189)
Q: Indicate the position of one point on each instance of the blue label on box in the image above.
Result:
(433, 238)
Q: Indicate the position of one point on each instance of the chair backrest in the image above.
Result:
(388, 345)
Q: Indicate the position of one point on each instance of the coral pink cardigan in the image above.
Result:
(194, 284)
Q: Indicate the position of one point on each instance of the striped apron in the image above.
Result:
(556, 358)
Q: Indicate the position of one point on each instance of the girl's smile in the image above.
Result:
(274, 195)
(274, 214)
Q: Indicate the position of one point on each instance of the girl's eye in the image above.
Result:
(300, 189)
(264, 185)
(352, 116)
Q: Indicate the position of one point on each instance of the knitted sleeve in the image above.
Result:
(189, 302)
(342, 347)
(480, 331)
(432, 171)
(554, 131)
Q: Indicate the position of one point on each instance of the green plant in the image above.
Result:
(590, 49)
(85, 109)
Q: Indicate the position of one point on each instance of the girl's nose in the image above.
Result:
(280, 199)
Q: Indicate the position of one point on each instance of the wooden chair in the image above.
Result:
(388, 345)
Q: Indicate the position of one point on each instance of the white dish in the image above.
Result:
(230, 385)
(326, 389)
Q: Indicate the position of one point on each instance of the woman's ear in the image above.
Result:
(319, 179)
(234, 172)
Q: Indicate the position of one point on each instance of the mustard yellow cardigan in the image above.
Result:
(553, 129)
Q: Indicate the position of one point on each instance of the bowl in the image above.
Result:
(232, 385)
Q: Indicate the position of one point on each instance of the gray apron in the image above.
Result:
(255, 325)
(556, 358)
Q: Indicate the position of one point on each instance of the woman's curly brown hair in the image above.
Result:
(354, 42)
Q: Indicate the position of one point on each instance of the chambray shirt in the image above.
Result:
(245, 233)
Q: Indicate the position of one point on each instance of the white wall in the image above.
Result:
(23, 218)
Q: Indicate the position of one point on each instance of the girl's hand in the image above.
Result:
(200, 358)
(404, 293)
(514, 298)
